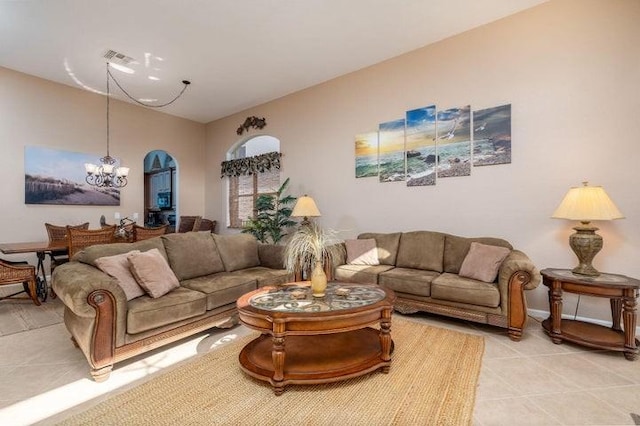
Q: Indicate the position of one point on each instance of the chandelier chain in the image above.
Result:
(185, 82)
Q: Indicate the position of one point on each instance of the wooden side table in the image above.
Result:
(622, 292)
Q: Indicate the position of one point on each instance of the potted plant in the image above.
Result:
(308, 250)
(273, 216)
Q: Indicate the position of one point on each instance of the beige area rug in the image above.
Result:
(17, 316)
(433, 379)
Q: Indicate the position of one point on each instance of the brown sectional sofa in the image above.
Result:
(422, 268)
(213, 272)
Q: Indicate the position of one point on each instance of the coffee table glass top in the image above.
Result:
(295, 298)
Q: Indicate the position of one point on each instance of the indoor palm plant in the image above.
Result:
(308, 250)
(273, 216)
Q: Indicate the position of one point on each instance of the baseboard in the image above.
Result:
(544, 314)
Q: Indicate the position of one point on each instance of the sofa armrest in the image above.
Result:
(271, 256)
(517, 274)
(73, 283)
(517, 261)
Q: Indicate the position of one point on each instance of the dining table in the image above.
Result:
(40, 248)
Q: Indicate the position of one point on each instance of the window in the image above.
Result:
(245, 189)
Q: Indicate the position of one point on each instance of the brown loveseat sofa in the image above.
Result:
(423, 268)
(212, 271)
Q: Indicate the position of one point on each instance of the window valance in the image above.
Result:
(251, 165)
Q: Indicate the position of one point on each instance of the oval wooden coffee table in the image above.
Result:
(307, 340)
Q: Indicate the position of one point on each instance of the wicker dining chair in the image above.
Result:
(142, 233)
(207, 225)
(78, 239)
(59, 233)
(19, 272)
(189, 223)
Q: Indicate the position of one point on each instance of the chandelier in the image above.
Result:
(107, 175)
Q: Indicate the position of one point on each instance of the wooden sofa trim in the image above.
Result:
(104, 353)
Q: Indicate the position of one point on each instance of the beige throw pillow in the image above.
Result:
(117, 266)
(362, 252)
(153, 273)
(483, 262)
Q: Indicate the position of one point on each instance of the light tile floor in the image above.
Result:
(44, 378)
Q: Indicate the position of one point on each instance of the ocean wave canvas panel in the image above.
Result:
(492, 136)
(391, 158)
(454, 142)
(53, 176)
(366, 145)
(420, 146)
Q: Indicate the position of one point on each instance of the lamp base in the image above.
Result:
(585, 243)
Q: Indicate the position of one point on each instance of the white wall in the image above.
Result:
(569, 68)
(37, 112)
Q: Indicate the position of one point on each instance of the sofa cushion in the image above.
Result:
(221, 288)
(454, 288)
(117, 266)
(456, 249)
(362, 251)
(387, 245)
(146, 313)
(271, 255)
(238, 251)
(192, 254)
(267, 276)
(152, 272)
(89, 254)
(421, 250)
(362, 274)
(483, 262)
(412, 281)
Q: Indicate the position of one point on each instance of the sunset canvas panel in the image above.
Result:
(366, 145)
(391, 158)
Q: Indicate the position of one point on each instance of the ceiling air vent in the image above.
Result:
(117, 57)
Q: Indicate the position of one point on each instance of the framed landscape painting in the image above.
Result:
(367, 154)
(53, 176)
(454, 142)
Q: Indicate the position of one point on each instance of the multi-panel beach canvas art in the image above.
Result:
(366, 154)
(454, 142)
(429, 144)
(391, 167)
(420, 146)
(492, 136)
(53, 176)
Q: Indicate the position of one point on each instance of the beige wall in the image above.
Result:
(41, 113)
(571, 71)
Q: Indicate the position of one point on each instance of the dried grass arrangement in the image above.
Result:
(311, 244)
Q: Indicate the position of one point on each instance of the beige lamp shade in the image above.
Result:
(305, 207)
(586, 203)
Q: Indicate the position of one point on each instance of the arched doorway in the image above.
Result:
(160, 189)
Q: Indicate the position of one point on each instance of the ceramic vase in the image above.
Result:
(318, 280)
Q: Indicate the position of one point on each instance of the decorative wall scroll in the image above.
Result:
(53, 176)
(391, 167)
(250, 165)
(249, 122)
(428, 145)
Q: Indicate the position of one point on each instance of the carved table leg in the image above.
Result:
(556, 311)
(277, 355)
(616, 313)
(385, 338)
(629, 318)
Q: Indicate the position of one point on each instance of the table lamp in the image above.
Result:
(586, 203)
(305, 208)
